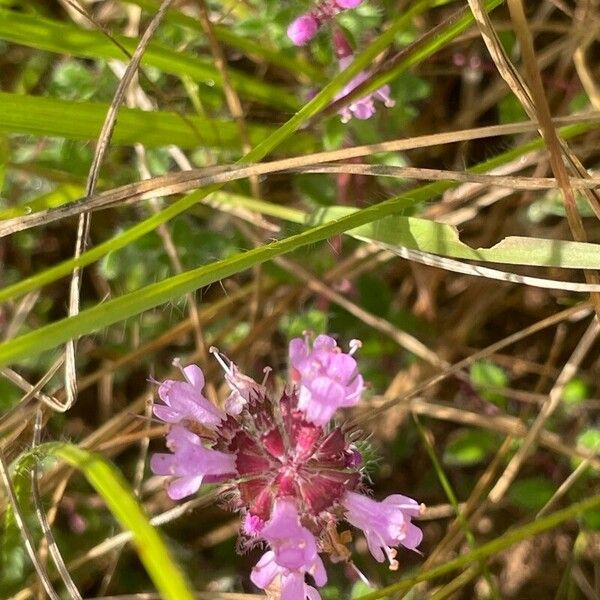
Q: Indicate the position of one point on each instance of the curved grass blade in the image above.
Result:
(423, 193)
(153, 295)
(107, 480)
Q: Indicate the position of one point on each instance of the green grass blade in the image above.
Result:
(108, 481)
(134, 303)
(54, 36)
(436, 238)
(360, 63)
(47, 117)
(438, 41)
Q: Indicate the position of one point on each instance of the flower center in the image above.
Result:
(283, 455)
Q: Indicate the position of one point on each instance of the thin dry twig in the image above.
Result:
(458, 366)
(567, 373)
(534, 101)
(83, 226)
(176, 183)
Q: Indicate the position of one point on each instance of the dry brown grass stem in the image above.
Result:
(500, 423)
(537, 428)
(532, 97)
(177, 183)
(84, 223)
(510, 182)
(485, 352)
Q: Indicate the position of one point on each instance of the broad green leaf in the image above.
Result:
(588, 441)
(531, 493)
(484, 375)
(39, 32)
(592, 520)
(443, 239)
(295, 324)
(83, 121)
(468, 447)
(108, 481)
(575, 392)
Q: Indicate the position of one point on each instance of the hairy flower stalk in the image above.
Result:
(290, 471)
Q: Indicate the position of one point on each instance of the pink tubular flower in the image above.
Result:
(291, 583)
(303, 29)
(294, 546)
(327, 378)
(346, 4)
(385, 524)
(191, 463)
(294, 553)
(184, 401)
(361, 108)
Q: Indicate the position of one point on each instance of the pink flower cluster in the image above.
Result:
(305, 27)
(291, 472)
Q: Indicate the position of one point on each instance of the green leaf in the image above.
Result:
(39, 32)
(575, 392)
(591, 519)
(468, 447)
(295, 324)
(107, 480)
(588, 441)
(83, 121)
(72, 81)
(532, 493)
(484, 375)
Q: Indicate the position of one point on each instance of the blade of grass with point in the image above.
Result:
(110, 484)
